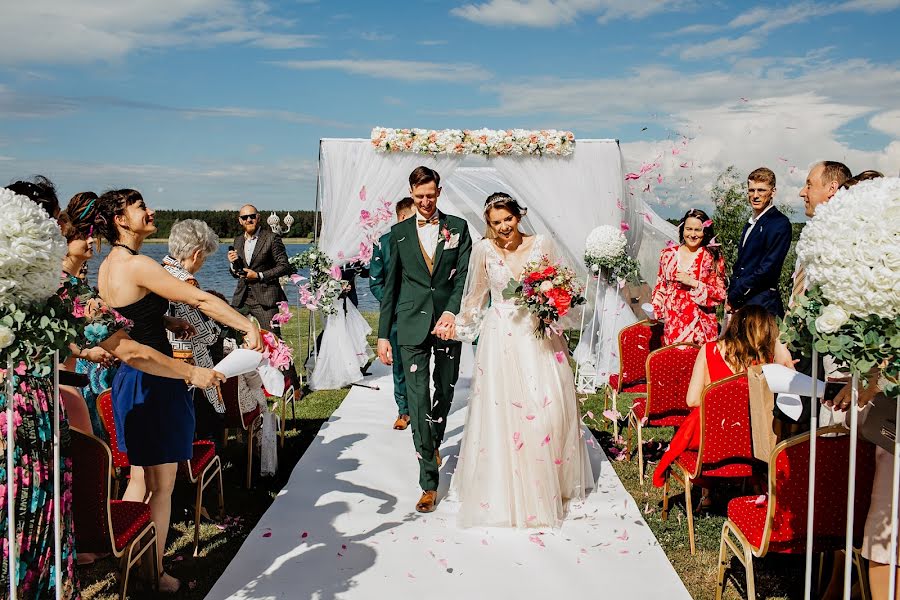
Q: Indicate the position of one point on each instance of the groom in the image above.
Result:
(422, 293)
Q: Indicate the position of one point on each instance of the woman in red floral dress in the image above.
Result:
(690, 283)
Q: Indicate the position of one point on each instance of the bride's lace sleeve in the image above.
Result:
(475, 296)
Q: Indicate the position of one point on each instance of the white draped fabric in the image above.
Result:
(566, 198)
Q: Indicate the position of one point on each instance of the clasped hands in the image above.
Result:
(684, 278)
(444, 329)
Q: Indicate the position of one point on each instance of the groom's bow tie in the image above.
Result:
(432, 221)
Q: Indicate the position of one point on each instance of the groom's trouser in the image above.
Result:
(428, 416)
(399, 375)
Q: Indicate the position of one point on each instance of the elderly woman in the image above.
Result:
(191, 242)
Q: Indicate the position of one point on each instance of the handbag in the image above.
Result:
(880, 425)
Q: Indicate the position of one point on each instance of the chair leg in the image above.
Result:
(283, 420)
(640, 449)
(723, 561)
(689, 508)
(221, 495)
(615, 407)
(225, 440)
(115, 490)
(751, 581)
(864, 590)
(154, 556)
(665, 507)
(198, 504)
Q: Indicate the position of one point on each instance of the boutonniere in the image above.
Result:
(451, 239)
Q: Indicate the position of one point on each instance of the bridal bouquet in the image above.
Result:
(548, 290)
(604, 251)
(851, 253)
(34, 321)
(324, 282)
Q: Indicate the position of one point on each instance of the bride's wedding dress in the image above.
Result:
(523, 455)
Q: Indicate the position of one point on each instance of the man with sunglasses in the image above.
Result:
(258, 260)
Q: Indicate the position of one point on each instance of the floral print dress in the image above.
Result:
(689, 313)
(33, 456)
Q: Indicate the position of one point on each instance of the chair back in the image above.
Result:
(668, 377)
(91, 467)
(726, 441)
(228, 392)
(636, 342)
(786, 523)
(108, 418)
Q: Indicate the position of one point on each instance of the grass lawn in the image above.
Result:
(777, 577)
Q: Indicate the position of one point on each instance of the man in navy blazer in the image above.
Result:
(763, 245)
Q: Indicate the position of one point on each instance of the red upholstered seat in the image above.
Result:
(249, 417)
(725, 429)
(204, 452)
(636, 342)
(668, 376)
(105, 408)
(128, 520)
(688, 460)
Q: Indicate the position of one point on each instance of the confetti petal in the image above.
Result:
(536, 540)
(560, 357)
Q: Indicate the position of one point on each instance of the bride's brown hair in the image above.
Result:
(504, 201)
(750, 338)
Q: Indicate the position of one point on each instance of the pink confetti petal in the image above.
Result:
(484, 543)
(267, 534)
(760, 500)
(560, 357)
(624, 536)
(362, 193)
(304, 535)
(619, 204)
(546, 440)
(707, 223)
(536, 540)
(530, 417)
(624, 226)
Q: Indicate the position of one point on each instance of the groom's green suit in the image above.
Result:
(416, 294)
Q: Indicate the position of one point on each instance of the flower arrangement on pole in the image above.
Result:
(34, 320)
(850, 251)
(605, 254)
(548, 290)
(324, 284)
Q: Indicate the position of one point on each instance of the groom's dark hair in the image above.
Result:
(423, 175)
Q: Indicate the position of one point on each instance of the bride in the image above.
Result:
(523, 456)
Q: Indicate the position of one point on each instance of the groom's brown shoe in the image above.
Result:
(402, 422)
(437, 457)
(427, 501)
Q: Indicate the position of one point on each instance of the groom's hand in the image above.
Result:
(445, 328)
(384, 352)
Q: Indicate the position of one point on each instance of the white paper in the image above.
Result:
(648, 308)
(239, 362)
(782, 380)
(272, 379)
(790, 405)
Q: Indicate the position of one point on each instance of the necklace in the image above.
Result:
(131, 250)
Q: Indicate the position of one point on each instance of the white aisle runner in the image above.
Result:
(345, 526)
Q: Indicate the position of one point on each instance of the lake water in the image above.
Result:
(214, 274)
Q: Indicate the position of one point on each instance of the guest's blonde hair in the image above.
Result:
(750, 338)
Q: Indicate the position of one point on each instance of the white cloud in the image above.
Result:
(404, 70)
(432, 43)
(60, 31)
(552, 13)
(374, 36)
(721, 47)
(887, 122)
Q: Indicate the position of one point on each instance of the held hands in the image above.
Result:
(385, 354)
(205, 378)
(181, 328)
(445, 328)
(100, 356)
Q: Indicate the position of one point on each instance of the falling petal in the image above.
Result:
(760, 500)
(413, 368)
(546, 440)
(362, 193)
(560, 357)
(536, 540)
(624, 226)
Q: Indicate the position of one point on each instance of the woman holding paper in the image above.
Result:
(751, 338)
(690, 283)
(154, 414)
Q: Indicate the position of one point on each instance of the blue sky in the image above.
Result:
(211, 103)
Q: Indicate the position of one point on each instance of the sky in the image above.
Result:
(213, 103)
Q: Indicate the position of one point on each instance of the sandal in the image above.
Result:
(168, 587)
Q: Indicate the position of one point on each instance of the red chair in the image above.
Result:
(726, 445)
(123, 529)
(636, 342)
(121, 466)
(234, 419)
(668, 374)
(203, 467)
(779, 524)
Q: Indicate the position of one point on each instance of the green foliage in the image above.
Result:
(859, 344)
(39, 330)
(225, 222)
(732, 210)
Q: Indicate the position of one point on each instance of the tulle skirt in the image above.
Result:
(523, 455)
(344, 350)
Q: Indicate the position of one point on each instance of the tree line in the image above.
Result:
(225, 222)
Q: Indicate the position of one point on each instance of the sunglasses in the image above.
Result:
(251, 217)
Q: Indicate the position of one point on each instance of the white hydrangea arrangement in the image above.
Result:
(487, 142)
(850, 251)
(605, 251)
(34, 321)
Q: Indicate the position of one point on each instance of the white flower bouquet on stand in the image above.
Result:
(605, 253)
(851, 253)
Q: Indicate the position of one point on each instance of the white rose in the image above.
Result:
(831, 319)
(546, 286)
(312, 256)
(7, 337)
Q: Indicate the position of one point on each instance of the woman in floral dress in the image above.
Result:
(690, 283)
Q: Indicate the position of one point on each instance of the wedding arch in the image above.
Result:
(569, 186)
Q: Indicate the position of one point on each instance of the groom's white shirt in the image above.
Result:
(428, 235)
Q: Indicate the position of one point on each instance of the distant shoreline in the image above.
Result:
(230, 240)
